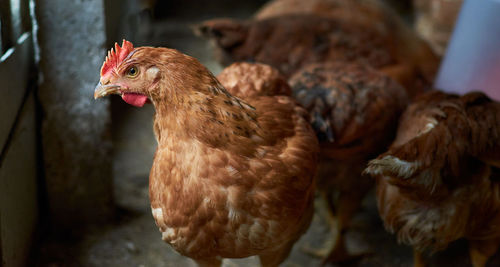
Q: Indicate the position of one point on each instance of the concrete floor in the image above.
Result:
(134, 240)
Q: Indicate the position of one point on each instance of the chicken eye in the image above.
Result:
(132, 71)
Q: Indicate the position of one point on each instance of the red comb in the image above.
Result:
(116, 56)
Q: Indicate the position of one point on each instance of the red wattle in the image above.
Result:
(134, 99)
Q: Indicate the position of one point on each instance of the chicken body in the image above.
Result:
(320, 31)
(354, 111)
(439, 181)
(231, 178)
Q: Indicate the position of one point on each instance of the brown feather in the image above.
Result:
(437, 182)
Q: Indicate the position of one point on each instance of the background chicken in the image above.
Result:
(354, 110)
(231, 178)
(289, 34)
(439, 181)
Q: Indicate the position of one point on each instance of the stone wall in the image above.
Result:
(76, 137)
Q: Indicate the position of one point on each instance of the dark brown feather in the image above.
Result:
(353, 108)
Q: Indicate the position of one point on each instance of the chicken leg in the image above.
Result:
(418, 259)
(338, 216)
(481, 250)
(347, 205)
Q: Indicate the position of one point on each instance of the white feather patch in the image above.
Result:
(168, 234)
(158, 214)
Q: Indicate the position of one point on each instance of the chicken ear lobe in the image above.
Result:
(227, 33)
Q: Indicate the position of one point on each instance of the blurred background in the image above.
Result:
(74, 171)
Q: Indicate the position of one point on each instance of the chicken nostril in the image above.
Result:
(103, 81)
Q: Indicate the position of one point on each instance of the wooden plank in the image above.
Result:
(18, 185)
(15, 75)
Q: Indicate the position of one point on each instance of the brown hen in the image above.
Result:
(231, 177)
(439, 181)
(354, 110)
(290, 34)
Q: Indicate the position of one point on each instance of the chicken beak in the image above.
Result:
(104, 90)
